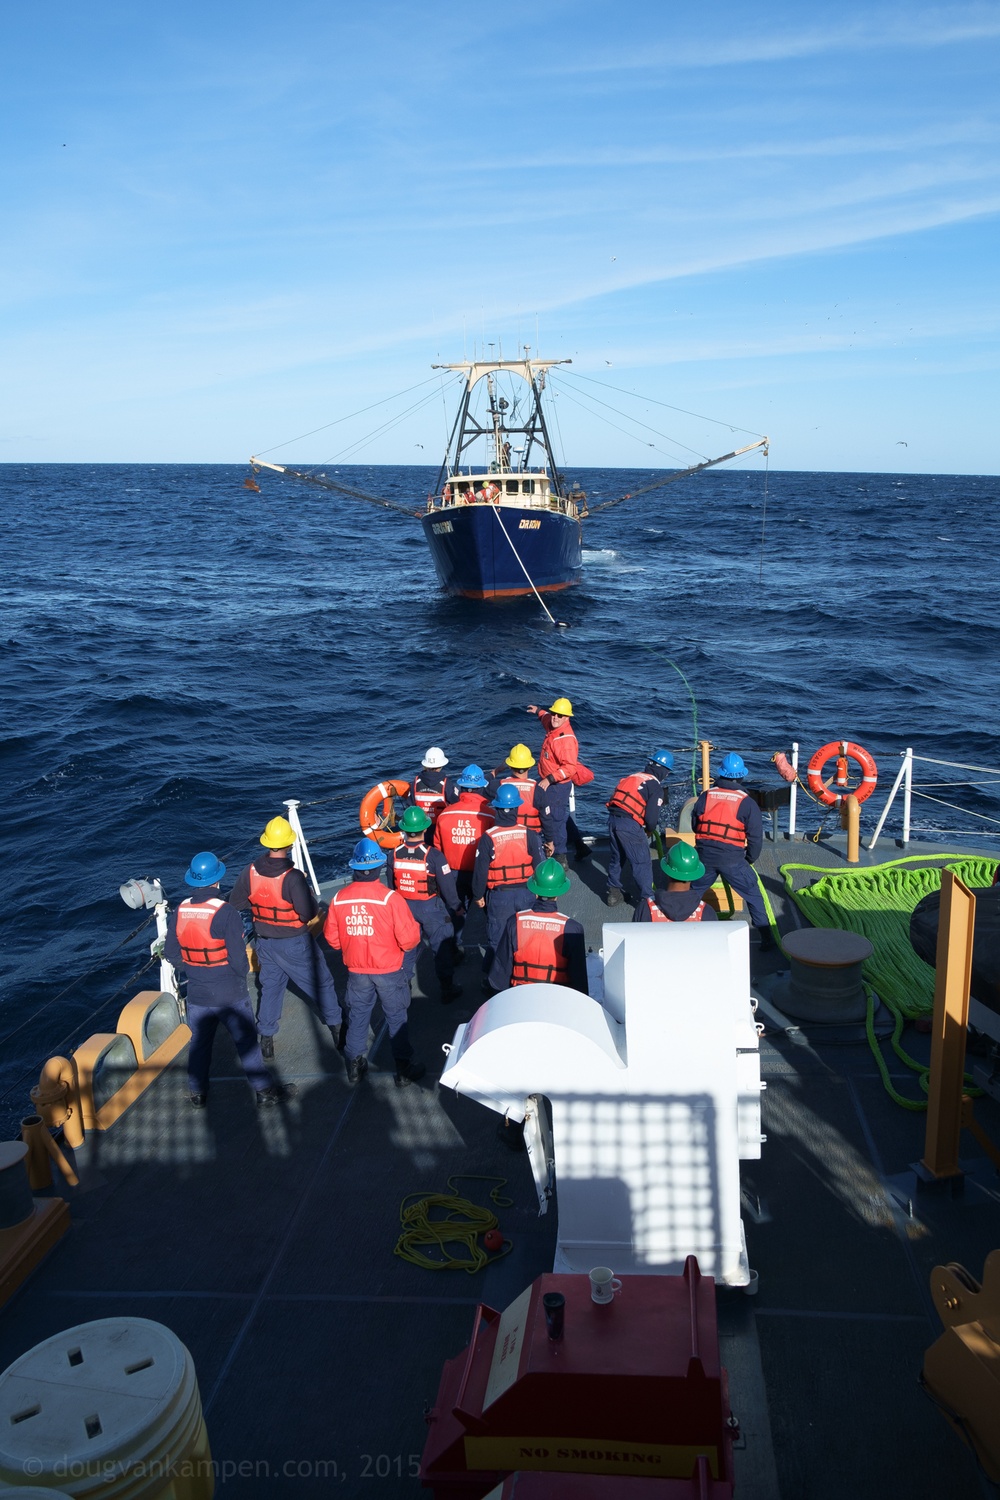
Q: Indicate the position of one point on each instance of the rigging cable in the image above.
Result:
(336, 422)
(665, 436)
(652, 399)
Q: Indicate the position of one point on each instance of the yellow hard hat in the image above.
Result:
(562, 706)
(520, 757)
(279, 834)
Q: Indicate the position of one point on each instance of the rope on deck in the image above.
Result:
(438, 1225)
(877, 903)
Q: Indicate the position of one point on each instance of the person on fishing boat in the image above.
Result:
(374, 929)
(560, 768)
(542, 944)
(425, 880)
(633, 817)
(729, 836)
(507, 855)
(282, 904)
(205, 939)
(676, 902)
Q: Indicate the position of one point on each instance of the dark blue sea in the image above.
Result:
(180, 654)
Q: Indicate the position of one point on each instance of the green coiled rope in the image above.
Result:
(877, 903)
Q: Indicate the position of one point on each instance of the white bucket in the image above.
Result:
(109, 1408)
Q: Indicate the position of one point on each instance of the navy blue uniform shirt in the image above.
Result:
(485, 850)
(437, 866)
(576, 950)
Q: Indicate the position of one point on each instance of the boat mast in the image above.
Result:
(467, 428)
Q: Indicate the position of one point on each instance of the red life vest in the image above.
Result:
(540, 954)
(268, 904)
(656, 914)
(429, 798)
(459, 829)
(363, 919)
(193, 928)
(410, 874)
(719, 822)
(527, 813)
(629, 797)
(511, 863)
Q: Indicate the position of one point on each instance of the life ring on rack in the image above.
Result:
(843, 750)
(378, 813)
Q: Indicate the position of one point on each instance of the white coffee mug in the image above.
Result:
(603, 1284)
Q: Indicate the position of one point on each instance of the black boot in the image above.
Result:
(198, 1101)
(267, 1047)
(449, 991)
(276, 1094)
(357, 1067)
(766, 939)
(407, 1071)
(339, 1034)
(615, 897)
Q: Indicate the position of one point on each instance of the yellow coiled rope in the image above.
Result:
(436, 1222)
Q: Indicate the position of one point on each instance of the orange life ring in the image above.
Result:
(378, 813)
(842, 749)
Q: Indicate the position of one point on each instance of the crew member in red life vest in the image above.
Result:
(728, 837)
(460, 827)
(507, 855)
(541, 945)
(429, 788)
(677, 902)
(560, 769)
(373, 928)
(514, 772)
(633, 814)
(282, 903)
(424, 879)
(205, 938)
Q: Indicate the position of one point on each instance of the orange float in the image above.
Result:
(844, 750)
(378, 813)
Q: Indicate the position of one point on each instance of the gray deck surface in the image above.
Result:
(265, 1239)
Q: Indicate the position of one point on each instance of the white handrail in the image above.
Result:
(301, 858)
(793, 793)
(905, 772)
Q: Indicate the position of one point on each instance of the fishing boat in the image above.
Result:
(507, 525)
(502, 521)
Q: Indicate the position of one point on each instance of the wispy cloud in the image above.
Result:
(911, 30)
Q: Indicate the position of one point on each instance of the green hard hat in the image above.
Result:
(414, 820)
(682, 863)
(549, 880)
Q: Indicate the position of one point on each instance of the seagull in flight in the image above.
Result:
(901, 444)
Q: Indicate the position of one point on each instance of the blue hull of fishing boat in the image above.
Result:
(476, 549)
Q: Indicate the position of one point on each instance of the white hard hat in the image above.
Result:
(434, 759)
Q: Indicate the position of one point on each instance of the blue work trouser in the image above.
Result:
(394, 993)
(553, 812)
(501, 904)
(438, 932)
(732, 865)
(297, 960)
(238, 1019)
(629, 846)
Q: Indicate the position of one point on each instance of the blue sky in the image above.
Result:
(228, 224)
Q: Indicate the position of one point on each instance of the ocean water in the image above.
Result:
(180, 654)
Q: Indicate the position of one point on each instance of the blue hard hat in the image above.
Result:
(204, 869)
(507, 797)
(663, 758)
(367, 856)
(733, 767)
(472, 776)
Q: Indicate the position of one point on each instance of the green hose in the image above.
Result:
(877, 903)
